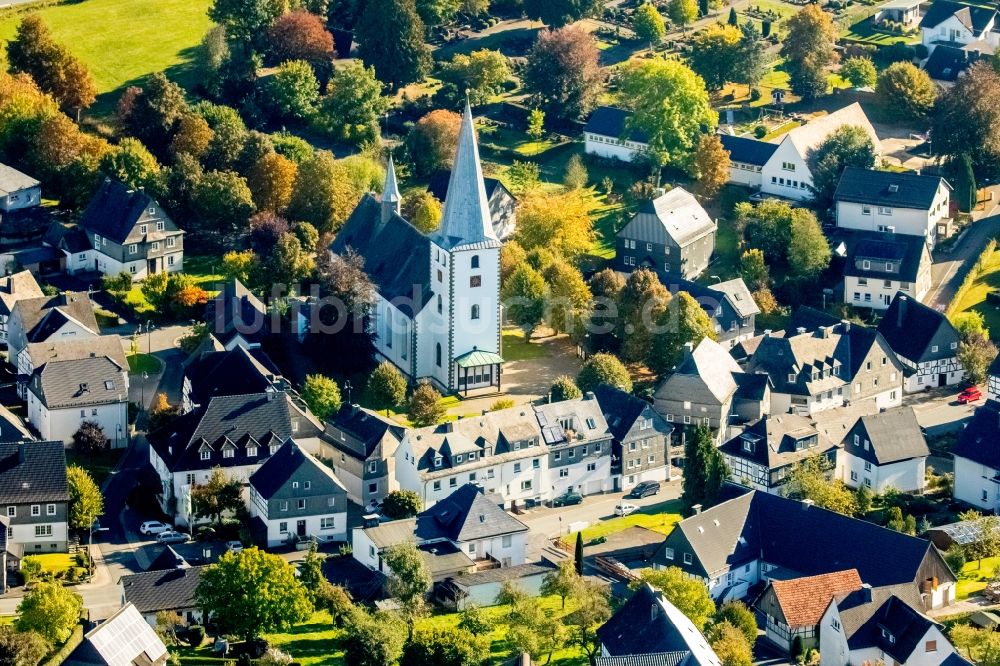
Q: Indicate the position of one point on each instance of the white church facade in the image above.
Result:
(437, 315)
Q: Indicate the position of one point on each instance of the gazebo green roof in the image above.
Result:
(476, 358)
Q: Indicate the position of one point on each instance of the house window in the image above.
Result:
(228, 453)
(283, 505)
(302, 504)
(476, 281)
(12, 511)
(437, 354)
(526, 485)
(159, 225)
(143, 229)
(688, 559)
(326, 523)
(133, 248)
(36, 510)
(206, 454)
(854, 476)
(788, 166)
(884, 210)
(536, 463)
(50, 509)
(592, 467)
(156, 246)
(131, 269)
(170, 260)
(373, 466)
(866, 210)
(517, 468)
(475, 261)
(835, 623)
(437, 485)
(668, 553)
(563, 473)
(505, 541)
(43, 530)
(687, 419)
(251, 452)
(868, 467)
(438, 460)
(282, 527)
(453, 482)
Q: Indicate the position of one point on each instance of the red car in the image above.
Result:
(971, 394)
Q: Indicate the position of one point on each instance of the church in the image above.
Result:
(437, 315)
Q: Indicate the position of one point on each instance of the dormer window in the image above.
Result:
(747, 445)
(251, 452)
(229, 452)
(143, 229)
(206, 454)
(438, 460)
(273, 449)
(159, 226)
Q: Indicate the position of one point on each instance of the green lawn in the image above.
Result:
(864, 32)
(974, 298)
(516, 348)
(658, 517)
(55, 561)
(974, 577)
(122, 41)
(143, 363)
(99, 465)
(206, 271)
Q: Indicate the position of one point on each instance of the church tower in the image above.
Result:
(390, 194)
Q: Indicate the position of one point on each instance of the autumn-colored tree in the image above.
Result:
(569, 296)
(684, 321)
(563, 72)
(905, 92)
(710, 165)
(423, 211)
(648, 25)
(560, 222)
(682, 12)
(424, 407)
(192, 136)
(323, 195)
(301, 35)
(966, 119)
(272, 181)
(715, 54)
(808, 50)
(131, 163)
(433, 140)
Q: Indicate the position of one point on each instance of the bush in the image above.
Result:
(760, 131)
(195, 635)
(755, 94)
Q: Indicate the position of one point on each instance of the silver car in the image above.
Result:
(170, 536)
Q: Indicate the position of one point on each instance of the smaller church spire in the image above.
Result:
(390, 193)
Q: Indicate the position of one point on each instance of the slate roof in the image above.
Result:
(286, 463)
(888, 188)
(114, 210)
(678, 214)
(774, 441)
(947, 62)
(910, 328)
(866, 613)
(815, 132)
(168, 559)
(804, 600)
(236, 311)
(649, 624)
(656, 659)
(612, 121)
(972, 17)
(61, 384)
(15, 287)
(239, 421)
(154, 591)
(748, 151)
(365, 429)
(906, 252)
(75, 349)
(735, 292)
(235, 372)
(466, 515)
(894, 436)
(12, 428)
(40, 317)
(712, 364)
(12, 180)
(621, 410)
(33, 472)
(980, 441)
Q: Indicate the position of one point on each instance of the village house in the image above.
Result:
(607, 135)
(168, 590)
(640, 445)
(886, 450)
(503, 204)
(69, 315)
(957, 24)
(17, 190)
(294, 497)
(904, 12)
(364, 456)
(35, 493)
(902, 203)
(430, 286)
(124, 639)
(747, 158)
(701, 389)
(672, 235)
(236, 318)
(924, 341)
(977, 460)
(757, 537)
(238, 371)
(880, 264)
(13, 288)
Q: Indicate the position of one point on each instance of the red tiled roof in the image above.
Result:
(803, 600)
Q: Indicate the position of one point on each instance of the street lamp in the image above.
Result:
(142, 391)
(149, 344)
(348, 387)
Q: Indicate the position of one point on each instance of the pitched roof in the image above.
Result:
(973, 17)
(910, 328)
(612, 121)
(124, 639)
(871, 615)
(363, 429)
(946, 62)
(114, 210)
(621, 409)
(12, 180)
(804, 600)
(778, 440)
(502, 574)
(894, 436)
(655, 659)
(72, 349)
(61, 384)
(809, 136)
(235, 372)
(748, 151)
(286, 462)
(710, 362)
(12, 428)
(40, 317)
(677, 214)
(735, 292)
(236, 310)
(889, 188)
(980, 441)
(15, 287)
(466, 515)
(167, 560)
(154, 591)
(739, 296)
(33, 472)
(649, 624)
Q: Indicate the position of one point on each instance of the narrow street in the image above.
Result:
(950, 268)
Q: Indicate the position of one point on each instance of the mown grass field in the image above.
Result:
(974, 298)
(122, 41)
(657, 517)
(974, 576)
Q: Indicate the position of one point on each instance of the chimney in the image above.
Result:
(589, 395)
(806, 503)
(800, 330)
(355, 408)
(846, 325)
(696, 509)
(767, 332)
(866, 592)
(901, 311)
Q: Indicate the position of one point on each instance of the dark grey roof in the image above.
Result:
(33, 472)
(751, 385)
(12, 428)
(894, 436)
(167, 559)
(871, 616)
(911, 328)
(612, 121)
(778, 440)
(397, 257)
(955, 659)
(947, 62)
(363, 430)
(288, 461)
(972, 17)
(438, 185)
(155, 591)
(114, 210)
(907, 252)
(621, 410)
(748, 151)
(235, 372)
(236, 311)
(503, 574)
(735, 292)
(61, 384)
(40, 317)
(466, 515)
(888, 188)
(980, 441)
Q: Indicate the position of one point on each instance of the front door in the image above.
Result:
(942, 379)
(300, 528)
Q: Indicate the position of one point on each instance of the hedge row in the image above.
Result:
(66, 650)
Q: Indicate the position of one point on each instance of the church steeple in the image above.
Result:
(390, 193)
(466, 217)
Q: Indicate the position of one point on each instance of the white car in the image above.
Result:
(234, 546)
(153, 527)
(170, 536)
(625, 509)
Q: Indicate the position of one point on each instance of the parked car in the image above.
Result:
(568, 498)
(234, 546)
(153, 527)
(971, 394)
(644, 489)
(170, 536)
(625, 509)
(374, 506)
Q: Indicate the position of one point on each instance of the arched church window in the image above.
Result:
(437, 354)
(475, 261)
(475, 312)
(440, 306)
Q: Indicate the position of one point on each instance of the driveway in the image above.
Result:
(950, 268)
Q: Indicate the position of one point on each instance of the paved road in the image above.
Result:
(950, 269)
(939, 412)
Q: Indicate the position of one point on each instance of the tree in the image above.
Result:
(536, 124)
(985, 534)
(223, 204)
(689, 595)
(85, 500)
(132, 164)
(436, 12)
(322, 196)
(400, 504)
(373, 640)
(271, 180)
(557, 13)
(523, 296)
(480, 74)
(976, 353)
(192, 136)
(423, 211)
(217, 496)
(239, 265)
(301, 35)
(311, 571)
(569, 296)
(733, 19)
(863, 497)
(604, 368)
(90, 439)
(684, 321)
(558, 222)
(564, 388)
(444, 646)
(575, 176)
(433, 141)
(561, 581)
(578, 554)
(22, 648)
(682, 12)
(648, 25)
(905, 92)
(51, 610)
(848, 145)
(246, 21)
(641, 304)
(293, 90)
(808, 50)
(390, 38)
(250, 592)
(409, 582)
(531, 630)
(475, 620)
(670, 105)
(710, 165)
(966, 119)
(229, 135)
(715, 54)
(753, 269)
(808, 249)
(738, 615)
(751, 58)
(386, 387)
(563, 72)
(322, 395)
(730, 645)
(859, 71)
(593, 610)
(424, 407)
(351, 109)
(966, 193)
(705, 469)
(811, 479)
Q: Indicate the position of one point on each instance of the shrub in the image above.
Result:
(760, 131)
(195, 635)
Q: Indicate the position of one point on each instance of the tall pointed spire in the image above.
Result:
(390, 193)
(466, 217)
